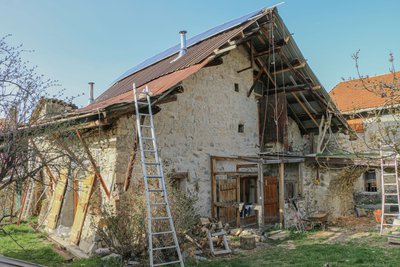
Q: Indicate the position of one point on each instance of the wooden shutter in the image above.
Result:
(58, 197)
(81, 210)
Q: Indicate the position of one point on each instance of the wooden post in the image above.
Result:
(213, 188)
(260, 193)
(96, 169)
(300, 180)
(238, 201)
(281, 192)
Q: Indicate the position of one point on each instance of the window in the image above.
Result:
(370, 181)
(241, 128)
(236, 87)
(178, 180)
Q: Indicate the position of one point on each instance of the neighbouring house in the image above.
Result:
(240, 119)
(370, 106)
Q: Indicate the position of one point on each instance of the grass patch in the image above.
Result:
(37, 249)
(314, 255)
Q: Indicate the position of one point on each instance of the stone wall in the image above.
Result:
(203, 122)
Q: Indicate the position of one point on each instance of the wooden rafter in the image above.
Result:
(96, 169)
(305, 109)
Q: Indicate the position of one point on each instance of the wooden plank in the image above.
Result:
(96, 169)
(213, 188)
(238, 201)
(84, 197)
(281, 192)
(58, 197)
(132, 158)
(261, 197)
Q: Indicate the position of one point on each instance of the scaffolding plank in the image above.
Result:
(81, 210)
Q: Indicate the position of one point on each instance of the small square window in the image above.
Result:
(241, 128)
(236, 87)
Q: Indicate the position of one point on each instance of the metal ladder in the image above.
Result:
(389, 188)
(153, 172)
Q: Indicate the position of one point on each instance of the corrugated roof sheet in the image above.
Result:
(190, 42)
(354, 95)
(195, 54)
(157, 87)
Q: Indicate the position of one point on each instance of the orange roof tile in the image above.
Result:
(369, 92)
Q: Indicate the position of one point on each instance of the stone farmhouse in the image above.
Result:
(240, 120)
(370, 108)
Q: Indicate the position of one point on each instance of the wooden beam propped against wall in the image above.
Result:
(96, 169)
(132, 158)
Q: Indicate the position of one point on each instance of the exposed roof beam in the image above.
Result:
(306, 110)
(292, 89)
(277, 46)
(293, 66)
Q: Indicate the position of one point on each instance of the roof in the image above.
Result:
(364, 93)
(200, 47)
(308, 102)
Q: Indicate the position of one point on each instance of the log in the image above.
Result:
(248, 242)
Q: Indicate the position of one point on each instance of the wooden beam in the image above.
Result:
(96, 169)
(296, 66)
(238, 201)
(256, 79)
(260, 200)
(305, 109)
(64, 146)
(129, 170)
(281, 192)
(213, 188)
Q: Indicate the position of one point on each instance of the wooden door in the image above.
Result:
(227, 209)
(83, 203)
(58, 197)
(271, 204)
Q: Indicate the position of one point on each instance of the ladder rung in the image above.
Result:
(390, 194)
(160, 218)
(163, 248)
(141, 102)
(391, 214)
(144, 114)
(163, 233)
(219, 233)
(147, 138)
(149, 150)
(158, 203)
(389, 174)
(153, 176)
(145, 126)
(156, 190)
(391, 204)
(151, 163)
(167, 263)
(390, 184)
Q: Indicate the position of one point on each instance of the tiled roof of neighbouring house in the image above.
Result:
(366, 93)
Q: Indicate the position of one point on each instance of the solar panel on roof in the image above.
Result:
(192, 41)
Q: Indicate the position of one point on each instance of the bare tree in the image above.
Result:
(23, 94)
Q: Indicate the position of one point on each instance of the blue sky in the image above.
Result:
(80, 41)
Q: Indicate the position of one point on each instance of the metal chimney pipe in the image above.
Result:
(91, 92)
(183, 50)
